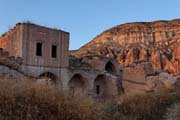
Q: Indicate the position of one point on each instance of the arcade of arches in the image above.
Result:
(101, 85)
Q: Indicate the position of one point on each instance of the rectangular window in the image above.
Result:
(54, 51)
(38, 49)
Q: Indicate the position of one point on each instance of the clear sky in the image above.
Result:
(85, 19)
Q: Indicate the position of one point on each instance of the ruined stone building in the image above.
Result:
(44, 53)
(41, 49)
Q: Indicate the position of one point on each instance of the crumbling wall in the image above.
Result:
(101, 83)
(11, 41)
(9, 61)
(9, 66)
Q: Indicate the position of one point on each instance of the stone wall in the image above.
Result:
(9, 61)
(98, 76)
(11, 41)
(93, 72)
(48, 37)
(21, 42)
(109, 84)
(134, 79)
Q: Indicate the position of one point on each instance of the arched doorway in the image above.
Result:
(110, 68)
(100, 86)
(48, 78)
(77, 84)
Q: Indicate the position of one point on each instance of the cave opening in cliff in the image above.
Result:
(110, 68)
(77, 84)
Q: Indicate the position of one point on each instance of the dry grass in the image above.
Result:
(151, 106)
(27, 100)
(30, 101)
(173, 112)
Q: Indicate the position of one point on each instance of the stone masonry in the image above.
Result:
(44, 53)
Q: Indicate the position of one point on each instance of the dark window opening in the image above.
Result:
(54, 51)
(97, 89)
(110, 68)
(38, 49)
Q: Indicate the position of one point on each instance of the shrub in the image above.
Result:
(27, 100)
(150, 106)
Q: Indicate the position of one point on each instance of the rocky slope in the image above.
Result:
(149, 52)
(156, 42)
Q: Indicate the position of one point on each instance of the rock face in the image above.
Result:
(161, 80)
(154, 42)
(173, 66)
(145, 49)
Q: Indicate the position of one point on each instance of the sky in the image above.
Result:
(85, 19)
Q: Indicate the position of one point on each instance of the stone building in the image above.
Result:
(44, 53)
(95, 75)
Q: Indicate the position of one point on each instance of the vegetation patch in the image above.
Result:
(29, 100)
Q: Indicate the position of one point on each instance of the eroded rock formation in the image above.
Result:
(149, 52)
(130, 43)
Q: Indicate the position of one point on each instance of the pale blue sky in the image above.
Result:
(85, 19)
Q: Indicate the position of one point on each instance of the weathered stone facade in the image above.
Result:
(98, 76)
(22, 41)
(44, 53)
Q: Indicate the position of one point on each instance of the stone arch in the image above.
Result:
(110, 67)
(48, 77)
(77, 84)
(101, 86)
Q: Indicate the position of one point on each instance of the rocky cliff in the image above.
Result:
(157, 42)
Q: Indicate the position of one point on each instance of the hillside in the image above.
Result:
(156, 42)
(143, 48)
